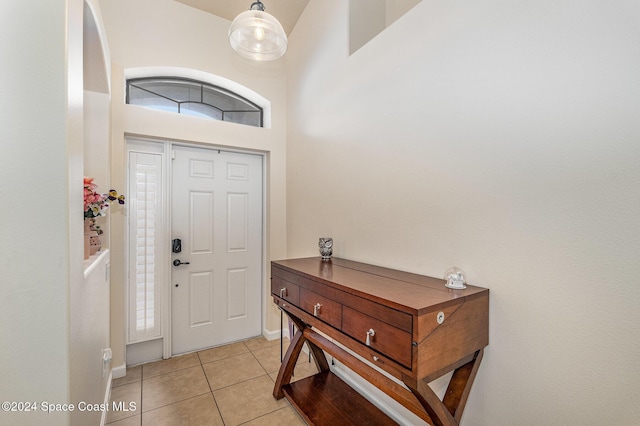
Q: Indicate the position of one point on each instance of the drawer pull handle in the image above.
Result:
(283, 292)
(370, 334)
(316, 309)
(376, 359)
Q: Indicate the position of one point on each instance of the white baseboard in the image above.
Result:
(275, 334)
(119, 371)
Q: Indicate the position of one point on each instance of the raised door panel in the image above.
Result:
(201, 296)
(201, 214)
(237, 223)
(237, 288)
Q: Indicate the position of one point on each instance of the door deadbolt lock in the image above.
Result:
(177, 262)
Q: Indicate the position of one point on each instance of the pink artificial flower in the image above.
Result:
(95, 204)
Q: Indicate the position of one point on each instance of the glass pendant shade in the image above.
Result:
(257, 35)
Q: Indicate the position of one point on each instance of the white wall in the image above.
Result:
(503, 138)
(89, 298)
(41, 215)
(165, 33)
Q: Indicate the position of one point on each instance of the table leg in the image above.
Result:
(293, 352)
(288, 363)
(460, 386)
(448, 412)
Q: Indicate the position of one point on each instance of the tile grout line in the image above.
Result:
(141, 391)
(210, 389)
(141, 382)
(258, 361)
(265, 414)
(180, 400)
(201, 364)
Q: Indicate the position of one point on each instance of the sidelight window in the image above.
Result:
(145, 245)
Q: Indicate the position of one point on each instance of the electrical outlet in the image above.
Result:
(107, 355)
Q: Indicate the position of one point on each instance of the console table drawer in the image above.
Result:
(390, 341)
(285, 290)
(325, 309)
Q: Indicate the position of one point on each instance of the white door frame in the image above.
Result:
(167, 145)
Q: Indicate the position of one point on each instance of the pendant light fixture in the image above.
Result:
(257, 35)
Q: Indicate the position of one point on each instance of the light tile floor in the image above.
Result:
(227, 385)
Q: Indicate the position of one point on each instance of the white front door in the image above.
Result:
(217, 215)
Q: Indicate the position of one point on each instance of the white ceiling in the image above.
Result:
(286, 11)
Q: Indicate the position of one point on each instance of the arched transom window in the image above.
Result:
(192, 97)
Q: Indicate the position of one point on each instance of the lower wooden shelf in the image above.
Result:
(324, 399)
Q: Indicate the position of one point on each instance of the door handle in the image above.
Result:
(177, 262)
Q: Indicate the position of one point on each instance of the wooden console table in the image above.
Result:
(410, 326)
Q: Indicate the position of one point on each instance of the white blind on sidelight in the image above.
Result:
(145, 246)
